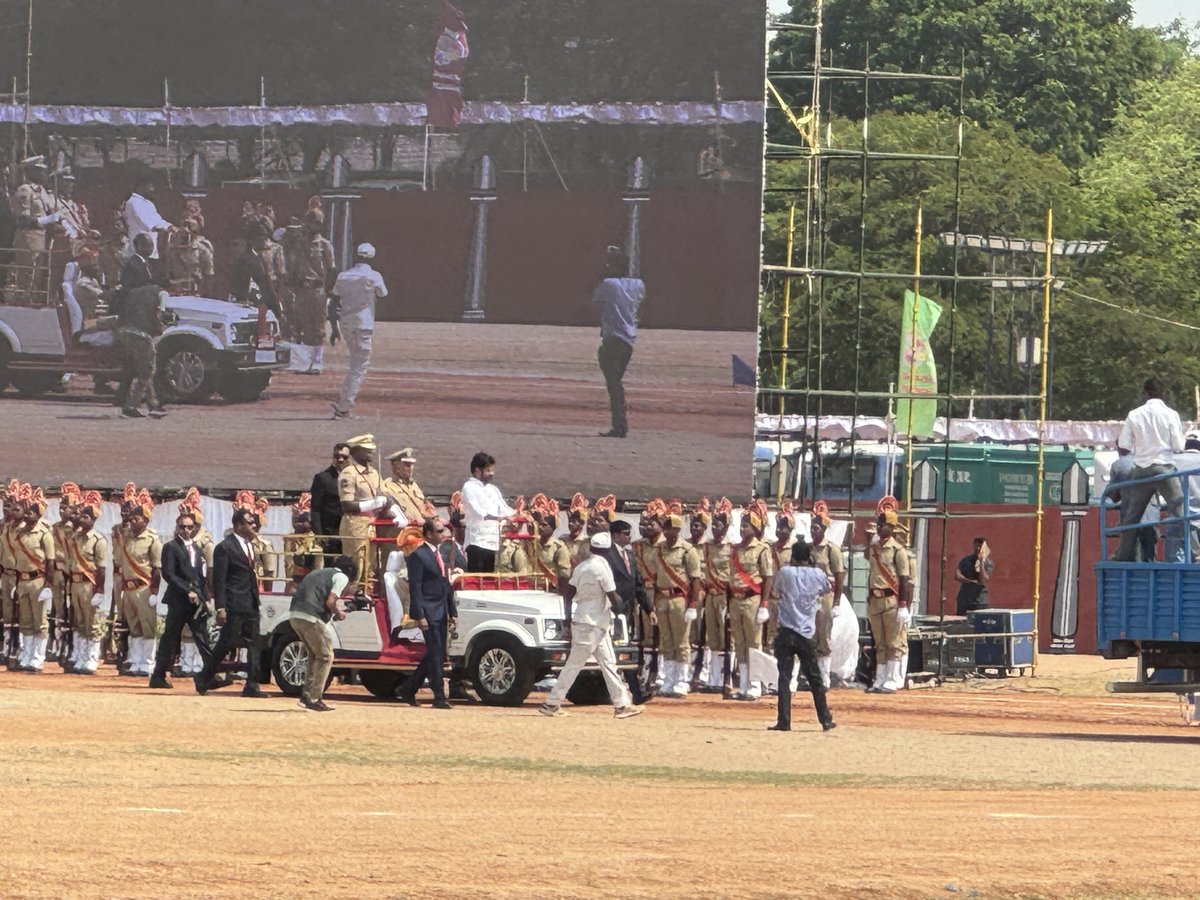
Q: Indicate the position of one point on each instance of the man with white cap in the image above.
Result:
(588, 603)
(353, 315)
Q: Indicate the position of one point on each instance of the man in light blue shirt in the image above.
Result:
(617, 298)
(799, 587)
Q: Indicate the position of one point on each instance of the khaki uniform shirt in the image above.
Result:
(513, 558)
(643, 554)
(141, 557)
(355, 484)
(302, 554)
(828, 558)
(264, 558)
(580, 548)
(6, 549)
(36, 542)
(204, 540)
(409, 497)
(682, 561)
(755, 561)
(274, 262)
(782, 555)
(311, 263)
(29, 202)
(554, 559)
(716, 567)
(91, 553)
(892, 556)
(64, 543)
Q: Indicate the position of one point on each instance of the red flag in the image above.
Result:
(445, 102)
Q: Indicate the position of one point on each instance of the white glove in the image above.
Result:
(373, 504)
(160, 609)
(838, 606)
(903, 616)
(97, 600)
(691, 615)
(46, 596)
(50, 219)
(396, 515)
(762, 615)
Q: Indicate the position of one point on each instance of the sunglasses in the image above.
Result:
(341, 456)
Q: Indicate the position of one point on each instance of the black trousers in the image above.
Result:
(480, 560)
(788, 645)
(614, 355)
(240, 630)
(432, 665)
(179, 615)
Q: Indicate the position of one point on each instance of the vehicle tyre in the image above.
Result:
(382, 683)
(34, 382)
(589, 689)
(5, 354)
(187, 370)
(243, 387)
(499, 670)
(289, 662)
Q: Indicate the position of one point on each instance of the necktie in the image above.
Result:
(441, 562)
(625, 559)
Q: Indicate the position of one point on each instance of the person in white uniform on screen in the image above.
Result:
(352, 315)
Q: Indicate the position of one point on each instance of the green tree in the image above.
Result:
(1056, 71)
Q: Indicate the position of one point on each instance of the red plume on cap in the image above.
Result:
(702, 512)
(544, 509)
(579, 508)
(821, 511)
(606, 507)
(190, 504)
(456, 502)
(91, 502)
(145, 503)
(723, 510)
(654, 509)
(303, 506)
(248, 501)
(787, 512)
(428, 510)
(13, 491)
(69, 492)
(411, 536)
(756, 511)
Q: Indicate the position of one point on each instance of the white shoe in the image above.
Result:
(716, 671)
(743, 687)
(302, 358)
(37, 655)
(93, 656)
(881, 672)
(823, 663)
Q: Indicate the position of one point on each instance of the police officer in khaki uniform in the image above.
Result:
(360, 491)
(401, 489)
(650, 536)
(311, 271)
(302, 552)
(515, 556)
(576, 538)
(677, 587)
(63, 532)
(716, 595)
(190, 268)
(751, 569)
(88, 576)
(889, 592)
(551, 557)
(34, 209)
(826, 556)
(14, 521)
(140, 570)
(34, 562)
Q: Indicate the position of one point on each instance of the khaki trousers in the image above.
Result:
(356, 532)
(31, 610)
(891, 639)
(89, 621)
(29, 245)
(8, 600)
(673, 642)
(308, 318)
(319, 644)
(140, 616)
(715, 606)
(60, 588)
(747, 633)
(824, 626)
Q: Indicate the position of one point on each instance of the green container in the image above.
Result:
(999, 475)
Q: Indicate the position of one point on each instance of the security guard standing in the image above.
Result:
(401, 489)
(650, 536)
(827, 556)
(551, 557)
(311, 271)
(33, 207)
(677, 587)
(63, 532)
(14, 521)
(35, 555)
(781, 555)
(751, 570)
(889, 592)
(140, 572)
(577, 540)
(716, 593)
(360, 491)
(90, 552)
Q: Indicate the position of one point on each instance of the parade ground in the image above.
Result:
(1041, 787)
(532, 396)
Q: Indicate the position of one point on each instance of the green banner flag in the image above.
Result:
(918, 371)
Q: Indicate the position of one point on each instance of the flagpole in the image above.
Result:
(912, 349)
(1047, 292)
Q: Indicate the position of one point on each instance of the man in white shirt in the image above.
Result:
(1152, 434)
(484, 509)
(141, 215)
(354, 294)
(588, 604)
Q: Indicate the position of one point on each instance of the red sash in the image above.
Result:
(679, 583)
(748, 582)
(887, 576)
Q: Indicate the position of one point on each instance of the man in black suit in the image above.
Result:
(186, 596)
(626, 574)
(431, 603)
(235, 594)
(326, 505)
(136, 271)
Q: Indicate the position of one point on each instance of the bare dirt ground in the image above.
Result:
(531, 396)
(1042, 787)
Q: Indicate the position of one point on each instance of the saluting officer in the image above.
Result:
(751, 569)
(827, 556)
(677, 587)
(889, 592)
(361, 493)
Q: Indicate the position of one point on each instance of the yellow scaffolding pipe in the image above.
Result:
(1047, 289)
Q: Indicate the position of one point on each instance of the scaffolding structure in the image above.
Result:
(804, 288)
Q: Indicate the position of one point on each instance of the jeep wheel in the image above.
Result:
(243, 387)
(33, 381)
(187, 370)
(589, 689)
(289, 663)
(382, 683)
(499, 671)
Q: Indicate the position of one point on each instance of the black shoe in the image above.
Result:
(157, 412)
(252, 690)
(321, 706)
(128, 412)
(161, 683)
(410, 699)
(778, 727)
(613, 433)
(442, 703)
(458, 691)
(201, 684)
(828, 726)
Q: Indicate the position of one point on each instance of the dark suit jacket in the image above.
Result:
(629, 584)
(430, 594)
(235, 586)
(249, 267)
(452, 555)
(180, 575)
(135, 273)
(326, 507)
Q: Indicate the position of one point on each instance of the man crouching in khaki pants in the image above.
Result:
(314, 605)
